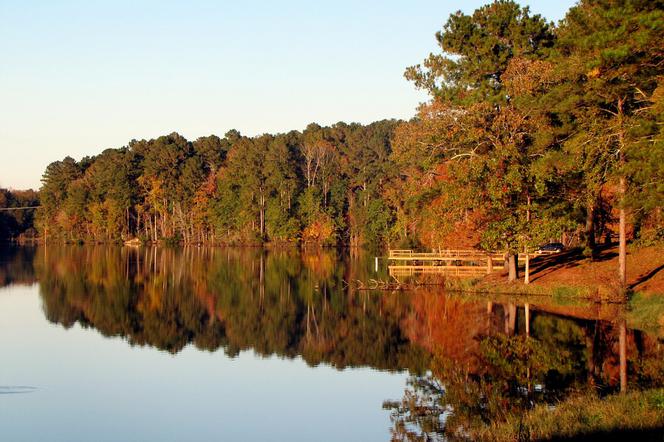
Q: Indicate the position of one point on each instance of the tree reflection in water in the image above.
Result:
(287, 303)
(472, 362)
(512, 365)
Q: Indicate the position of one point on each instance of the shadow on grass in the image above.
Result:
(544, 265)
(642, 435)
(645, 277)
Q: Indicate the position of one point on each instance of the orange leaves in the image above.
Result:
(525, 77)
(446, 325)
(203, 198)
(319, 231)
(153, 187)
(594, 73)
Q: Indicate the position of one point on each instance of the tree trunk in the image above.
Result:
(526, 278)
(262, 216)
(590, 229)
(622, 252)
(325, 186)
(513, 271)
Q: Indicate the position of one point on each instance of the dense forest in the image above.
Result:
(534, 131)
(323, 185)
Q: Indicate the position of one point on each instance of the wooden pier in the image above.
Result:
(452, 262)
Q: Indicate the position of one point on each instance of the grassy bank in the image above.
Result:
(636, 415)
(565, 293)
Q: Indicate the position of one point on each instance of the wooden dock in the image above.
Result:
(452, 262)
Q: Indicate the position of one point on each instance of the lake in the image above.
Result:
(116, 343)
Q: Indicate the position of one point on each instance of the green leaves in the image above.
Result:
(477, 49)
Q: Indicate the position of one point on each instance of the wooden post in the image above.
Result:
(376, 264)
(489, 265)
(526, 278)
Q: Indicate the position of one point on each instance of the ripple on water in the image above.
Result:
(16, 389)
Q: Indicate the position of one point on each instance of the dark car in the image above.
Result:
(553, 247)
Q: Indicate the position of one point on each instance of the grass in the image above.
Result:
(636, 416)
(463, 284)
(647, 313)
(565, 295)
(561, 294)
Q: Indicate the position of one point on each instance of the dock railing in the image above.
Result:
(461, 261)
(456, 254)
(442, 255)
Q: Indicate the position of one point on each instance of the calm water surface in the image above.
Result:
(112, 343)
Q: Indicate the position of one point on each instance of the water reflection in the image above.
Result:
(282, 303)
(16, 265)
(472, 360)
(489, 365)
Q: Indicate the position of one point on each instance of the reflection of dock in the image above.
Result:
(462, 263)
(451, 270)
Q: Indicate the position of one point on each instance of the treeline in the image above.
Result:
(17, 224)
(322, 185)
(533, 132)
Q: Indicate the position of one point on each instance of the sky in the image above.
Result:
(78, 77)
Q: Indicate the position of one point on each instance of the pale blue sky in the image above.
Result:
(77, 77)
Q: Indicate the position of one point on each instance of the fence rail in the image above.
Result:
(406, 262)
(4, 209)
(441, 255)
